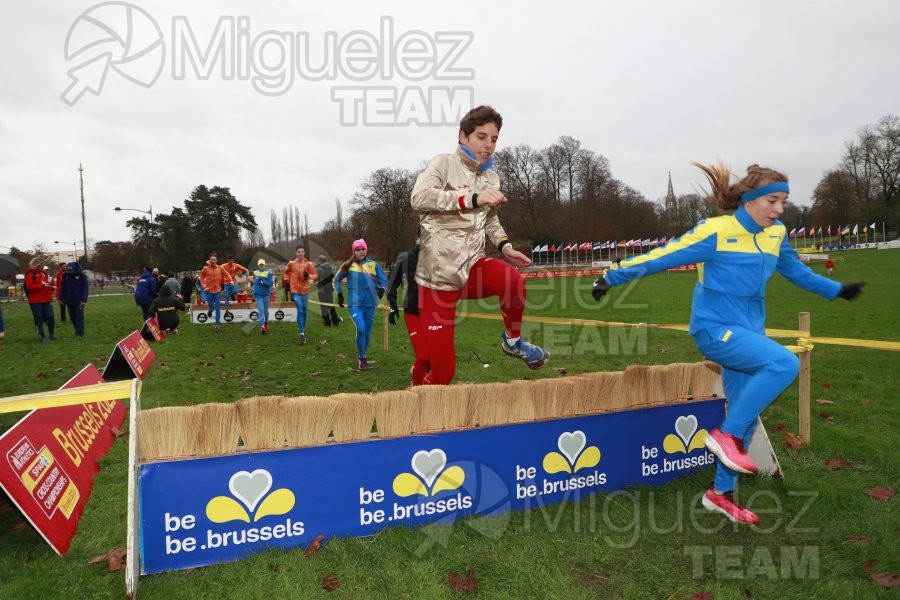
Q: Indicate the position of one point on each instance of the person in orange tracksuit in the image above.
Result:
(298, 274)
(214, 278)
(231, 288)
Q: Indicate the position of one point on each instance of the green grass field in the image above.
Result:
(645, 543)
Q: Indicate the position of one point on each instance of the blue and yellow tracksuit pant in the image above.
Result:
(755, 370)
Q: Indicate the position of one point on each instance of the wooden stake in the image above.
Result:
(803, 392)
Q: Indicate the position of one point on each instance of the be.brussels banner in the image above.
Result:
(202, 511)
(48, 460)
(243, 313)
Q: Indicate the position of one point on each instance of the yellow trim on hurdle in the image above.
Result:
(102, 392)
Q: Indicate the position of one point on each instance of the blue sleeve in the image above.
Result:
(796, 272)
(697, 245)
(271, 280)
(84, 289)
(336, 284)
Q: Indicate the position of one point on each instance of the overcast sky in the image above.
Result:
(651, 85)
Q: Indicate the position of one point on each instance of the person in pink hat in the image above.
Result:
(365, 287)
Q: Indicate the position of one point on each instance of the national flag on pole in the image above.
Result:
(829, 231)
(597, 246)
(645, 242)
(585, 246)
(793, 233)
(872, 226)
(552, 248)
(845, 230)
(654, 242)
(662, 241)
(622, 244)
(544, 248)
(604, 245)
(812, 231)
(536, 249)
(856, 229)
(802, 232)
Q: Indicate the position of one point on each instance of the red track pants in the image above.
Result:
(437, 312)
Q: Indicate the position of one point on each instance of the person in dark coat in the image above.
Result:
(145, 291)
(165, 308)
(187, 288)
(73, 293)
(326, 292)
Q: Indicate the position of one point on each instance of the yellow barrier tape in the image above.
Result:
(102, 392)
(804, 339)
(876, 344)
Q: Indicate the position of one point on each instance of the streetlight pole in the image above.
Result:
(73, 244)
(83, 223)
(146, 212)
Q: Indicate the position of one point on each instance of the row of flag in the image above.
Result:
(823, 231)
(591, 246)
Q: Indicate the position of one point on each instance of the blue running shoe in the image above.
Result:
(534, 356)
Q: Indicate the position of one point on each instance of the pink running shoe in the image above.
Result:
(725, 504)
(730, 451)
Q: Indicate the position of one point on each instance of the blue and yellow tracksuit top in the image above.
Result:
(363, 280)
(735, 259)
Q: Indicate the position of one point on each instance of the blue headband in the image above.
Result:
(778, 186)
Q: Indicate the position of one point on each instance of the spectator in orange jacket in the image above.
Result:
(298, 274)
(231, 288)
(214, 278)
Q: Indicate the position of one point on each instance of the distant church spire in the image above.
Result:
(671, 201)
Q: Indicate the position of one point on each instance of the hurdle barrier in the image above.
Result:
(217, 482)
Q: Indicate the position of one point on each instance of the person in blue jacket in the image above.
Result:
(73, 293)
(263, 280)
(736, 255)
(145, 291)
(365, 287)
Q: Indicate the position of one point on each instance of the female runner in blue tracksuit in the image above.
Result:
(365, 287)
(736, 255)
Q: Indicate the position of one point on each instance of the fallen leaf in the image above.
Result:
(115, 564)
(220, 356)
(858, 539)
(330, 583)
(314, 546)
(880, 493)
(41, 376)
(826, 416)
(794, 442)
(57, 370)
(837, 462)
(351, 369)
(702, 595)
(865, 402)
(593, 580)
(826, 386)
(746, 594)
(4, 508)
(560, 370)
(316, 373)
(29, 559)
(886, 580)
(118, 432)
(273, 567)
(19, 527)
(824, 401)
(780, 427)
(467, 584)
(115, 552)
(164, 366)
(338, 357)
(663, 350)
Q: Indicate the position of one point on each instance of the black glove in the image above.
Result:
(395, 312)
(380, 292)
(600, 289)
(850, 291)
(341, 299)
